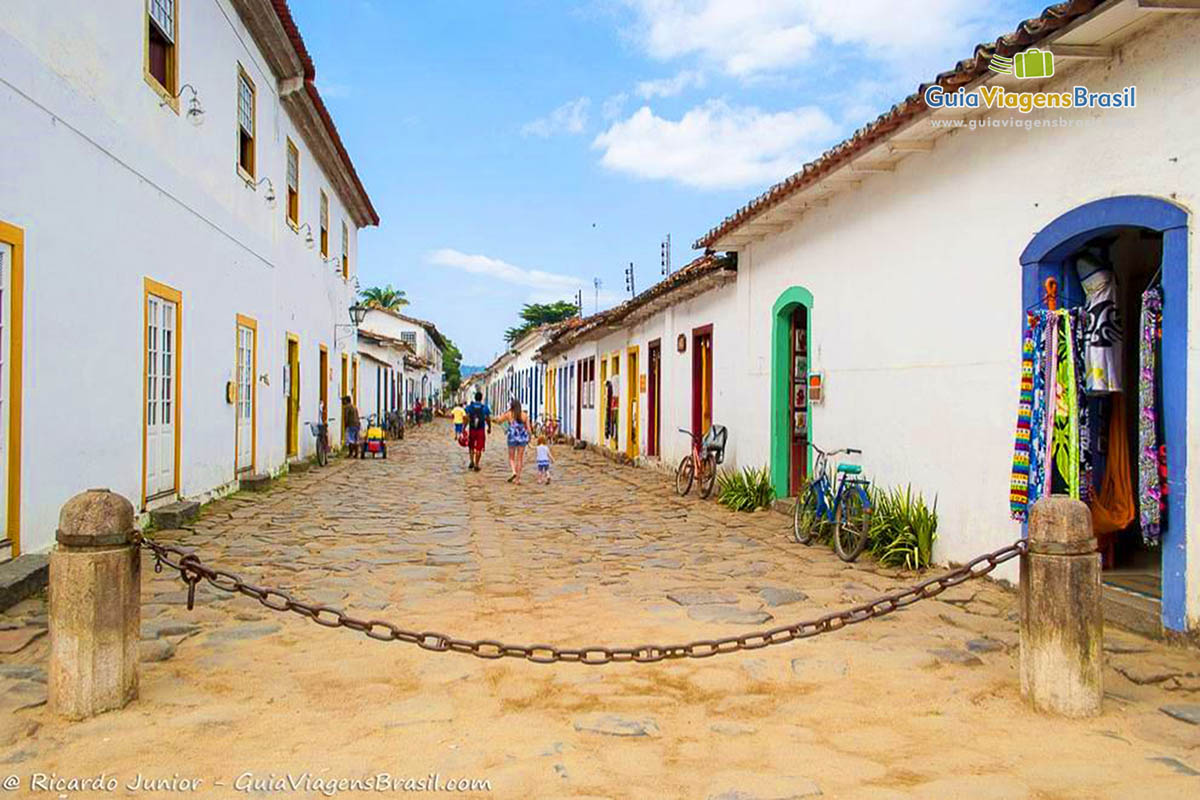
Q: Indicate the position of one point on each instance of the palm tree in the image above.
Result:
(386, 297)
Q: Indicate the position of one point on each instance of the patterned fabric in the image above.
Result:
(1079, 330)
(1065, 440)
(1152, 463)
(1104, 332)
(1019, 492)
(1037, 449)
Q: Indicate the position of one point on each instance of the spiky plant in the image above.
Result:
(746, 490)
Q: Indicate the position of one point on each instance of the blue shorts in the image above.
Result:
(352, 435)
(457, 429)
(543, 466)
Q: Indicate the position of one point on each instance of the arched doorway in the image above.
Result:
(791, 420)
(1161, 227)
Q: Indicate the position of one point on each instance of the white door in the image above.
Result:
(5, 294)
(245, 398)
(161, 371)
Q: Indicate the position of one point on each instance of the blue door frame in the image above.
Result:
(1045, 258)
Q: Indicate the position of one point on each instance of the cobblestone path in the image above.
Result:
(922, 703)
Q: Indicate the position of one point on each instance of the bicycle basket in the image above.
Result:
(714, 442)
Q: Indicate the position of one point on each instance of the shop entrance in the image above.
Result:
(1121, 247)
(791, 418)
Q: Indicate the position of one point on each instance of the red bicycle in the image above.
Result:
(707, 452)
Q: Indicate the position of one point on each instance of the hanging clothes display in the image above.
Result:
(1113, 509)
(1103, 324)
(1023, 457)
(1086, 434)
(1064, 477)
(1152, 462)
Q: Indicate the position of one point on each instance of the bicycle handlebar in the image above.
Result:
(847, 450)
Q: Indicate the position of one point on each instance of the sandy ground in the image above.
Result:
(923, 703)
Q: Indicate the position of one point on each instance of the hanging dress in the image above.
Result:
(1152, 463)
(1103, 356)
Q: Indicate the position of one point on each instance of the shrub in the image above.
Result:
(903, 528)
(746, 490)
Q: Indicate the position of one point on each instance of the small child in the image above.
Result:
(543, 460)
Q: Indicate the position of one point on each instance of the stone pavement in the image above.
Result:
(922, 703)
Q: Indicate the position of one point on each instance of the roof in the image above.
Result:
(379, 338)
(700, 275)
(429, 327)
(1028, 33)
(266, 20)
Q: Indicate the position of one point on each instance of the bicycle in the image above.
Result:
(548, 427)
(320, 430)
(707, 452)
(848, 509)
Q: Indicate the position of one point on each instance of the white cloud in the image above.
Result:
(570, 117)
(745, 38)
(613, 106)
(545, 286)
(715, 146)
(669, 87)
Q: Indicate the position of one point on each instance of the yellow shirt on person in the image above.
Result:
(459, 414)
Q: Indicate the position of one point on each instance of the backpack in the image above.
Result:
(475, 417)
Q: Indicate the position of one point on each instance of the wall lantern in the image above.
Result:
(308, 237)
(195, 112)
(358, 313)
(681, 343)
(269, 197)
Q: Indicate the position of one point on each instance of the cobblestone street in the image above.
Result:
(922, 703)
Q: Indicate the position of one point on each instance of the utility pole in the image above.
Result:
(629, 280)
(596, 286)
(666, 256)
(579, 301)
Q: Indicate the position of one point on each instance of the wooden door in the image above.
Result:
(245, 397)
(633, 431)
(6, 545)
(293, 396)
(162, 316)
(345, 391)
(654, 399)
(323, 388)
(702, 385)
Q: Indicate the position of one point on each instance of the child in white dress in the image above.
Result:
(543, 460)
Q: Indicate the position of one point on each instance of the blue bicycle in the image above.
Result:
(848, 509)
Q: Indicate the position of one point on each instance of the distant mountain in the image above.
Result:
(467, 371)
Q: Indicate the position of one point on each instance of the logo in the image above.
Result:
(1030, 64)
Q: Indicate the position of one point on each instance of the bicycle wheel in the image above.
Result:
(684, 476)
(805, 516)
(322, 453)
(708, 475)
(852, 523)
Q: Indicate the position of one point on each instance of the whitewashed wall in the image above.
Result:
(917, 289)
(111, 188)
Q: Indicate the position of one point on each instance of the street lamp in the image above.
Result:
(358, 313)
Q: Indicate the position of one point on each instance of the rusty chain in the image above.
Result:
(192, 571)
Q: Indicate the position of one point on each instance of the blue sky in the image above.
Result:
(517, 149)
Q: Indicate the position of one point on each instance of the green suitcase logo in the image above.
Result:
(1030, 64)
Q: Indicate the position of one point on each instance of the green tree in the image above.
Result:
(386, 297)
(536, 314)
(452, 366)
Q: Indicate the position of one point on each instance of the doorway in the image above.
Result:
(292, 391)
(12, 246)
(161, 433)
(614, 409)
(654, 399)
(702, 379)
(633, 433)
(791, 413)
(246, 394)
(798, 410)
(1143, 240)
(345, 392)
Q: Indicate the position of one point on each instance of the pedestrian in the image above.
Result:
(479, 425)
(353, 425)
(459, 414)
(544, 459)
(518, 439)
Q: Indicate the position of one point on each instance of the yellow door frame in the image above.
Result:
(326, 373)
(615, 442)
(602, 404)
(170, 294)
(345, 391)
(251, 323)
(632, 404)
(14, 237)
(292, 434)
(354, 380)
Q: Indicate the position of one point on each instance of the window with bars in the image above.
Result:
(245, 118)
(324, 224)
(161, 33)
(409, 338)
(293, 184)
(345, 250)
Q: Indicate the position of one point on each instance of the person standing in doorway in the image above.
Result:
(353, 425)
(479, 425)
(518, 439)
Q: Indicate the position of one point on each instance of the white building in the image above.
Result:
(423, 375)
(519, 374)
(166, 325)
(382, 374)
(901, 263)
(631, 377)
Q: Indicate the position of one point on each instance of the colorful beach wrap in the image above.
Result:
(1152, 462)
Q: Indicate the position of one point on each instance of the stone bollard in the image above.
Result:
(1062, 624)
(95, 606)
